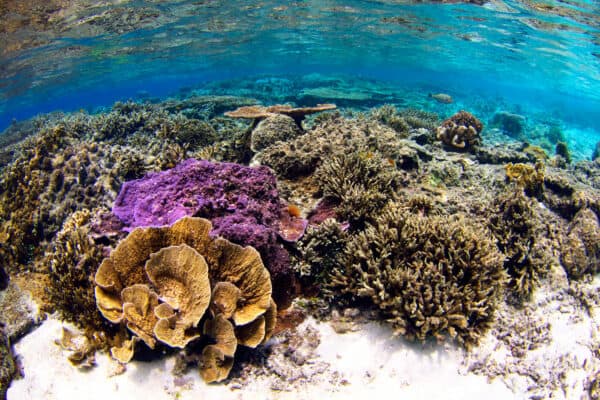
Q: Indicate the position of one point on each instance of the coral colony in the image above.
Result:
(158, 228)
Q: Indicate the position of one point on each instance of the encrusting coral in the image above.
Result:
(460, 131)
(158, 283)
(429, 276)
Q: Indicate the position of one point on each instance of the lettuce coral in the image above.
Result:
(157, 282)
(241, 202)
(429, 276)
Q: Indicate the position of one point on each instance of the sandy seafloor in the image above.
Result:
(558, 335)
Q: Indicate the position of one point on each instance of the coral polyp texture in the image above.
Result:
(429, 276)
(460, 131)
(241, 202)
(580, 252)
(175, 284)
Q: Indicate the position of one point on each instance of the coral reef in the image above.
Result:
(72, 264)
(361, 182)
(301, 156)
(460, 131)
(166, 299)
(529, 178)
(518, 232)
(429, 276)
(319, 248)
(580, 253)
(272, 129)
(257, 113)
(241, 202)
(562, 150)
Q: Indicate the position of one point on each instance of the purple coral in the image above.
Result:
(242, 203)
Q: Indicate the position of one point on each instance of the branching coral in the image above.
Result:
(304, 154)
(158, 283)
(516, 227)
(72, 264)
(362, 183)
(320, 247)
(429, 276)
(460, 131)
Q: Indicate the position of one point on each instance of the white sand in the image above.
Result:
(368, 362)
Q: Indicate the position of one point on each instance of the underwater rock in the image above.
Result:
(502, 154)
(511, 124)
(166, 299)
(272, 129)
(8, 364)
(460, 131)
(580, 254)
(241, 202)
(428, 275)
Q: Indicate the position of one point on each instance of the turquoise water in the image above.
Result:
(536, 57)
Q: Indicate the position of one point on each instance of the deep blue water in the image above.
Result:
(536, 56)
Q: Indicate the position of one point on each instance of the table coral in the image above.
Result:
(460, 131)
(429, 276)
(158, 283)
(258, 113)
(241, 202)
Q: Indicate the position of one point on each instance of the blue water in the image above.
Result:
(535, 56)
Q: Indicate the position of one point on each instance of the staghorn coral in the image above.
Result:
(460, 131)
(429, 276)
(580, 253)
(518, 232)
(241, 202)
(362, 183)
(157, 282)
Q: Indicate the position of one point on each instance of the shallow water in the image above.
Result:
(529, 56)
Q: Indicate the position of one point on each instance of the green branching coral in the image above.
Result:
(73, 263)
(363, 182)
(429, 276)
(514, 223)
